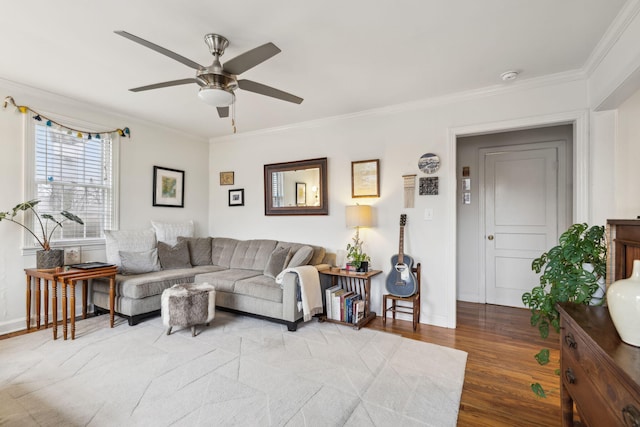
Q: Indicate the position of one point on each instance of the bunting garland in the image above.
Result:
(80, 133)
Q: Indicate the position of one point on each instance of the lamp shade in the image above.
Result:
(359, 216)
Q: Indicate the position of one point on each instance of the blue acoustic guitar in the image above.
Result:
(401, 281)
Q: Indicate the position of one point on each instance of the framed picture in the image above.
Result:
(365, 180)
(301, 194)
(226, 178)
(236, 197)
(168, 187)
(429, 186)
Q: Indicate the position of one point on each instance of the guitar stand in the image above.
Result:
(413, 299)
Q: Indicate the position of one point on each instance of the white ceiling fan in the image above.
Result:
(218, 82)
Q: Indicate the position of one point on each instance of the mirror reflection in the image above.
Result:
(296, 188)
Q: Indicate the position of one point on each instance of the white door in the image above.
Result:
(522, 201)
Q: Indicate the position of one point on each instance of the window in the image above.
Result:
(277, 189)
(74, 173)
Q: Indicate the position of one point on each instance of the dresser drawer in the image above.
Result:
(594, 383)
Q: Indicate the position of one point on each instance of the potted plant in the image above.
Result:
(356, 256)
(47, 257)
(571, 272)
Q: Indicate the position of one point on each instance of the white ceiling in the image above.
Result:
(341, 56)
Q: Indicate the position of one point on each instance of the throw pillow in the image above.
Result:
(168, 232)
(301, 257)
(199, 249)
(139, 262)
(127, 241)
(276, 262)
(176, 256)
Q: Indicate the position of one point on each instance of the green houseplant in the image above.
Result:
(44, 234)
(571, 272)
(355, 255)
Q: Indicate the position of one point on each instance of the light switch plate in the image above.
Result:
(428, 214)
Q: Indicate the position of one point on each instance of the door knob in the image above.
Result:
(490, 237)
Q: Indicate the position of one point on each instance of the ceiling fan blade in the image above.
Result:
(250, 59)
(162, 50)
(223, 112)
(165, 84)
(261, 89)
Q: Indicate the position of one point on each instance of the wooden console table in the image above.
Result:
(359, 283)
(598, 371)
(66, 278)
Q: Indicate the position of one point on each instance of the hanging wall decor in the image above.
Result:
(429, 186)
(429, 163)
(80, 133)
(409, 190)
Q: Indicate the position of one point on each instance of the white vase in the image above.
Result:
(623, 298)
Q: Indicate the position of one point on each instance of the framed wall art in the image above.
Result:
(226, 178)
(236, 197)
(301, 194)
(365, 178)
(168, 187)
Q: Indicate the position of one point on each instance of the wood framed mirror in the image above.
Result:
(283, 193)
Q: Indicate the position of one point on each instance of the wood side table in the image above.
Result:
(359, 283)
(67, 278)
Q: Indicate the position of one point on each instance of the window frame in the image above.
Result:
(29, 147)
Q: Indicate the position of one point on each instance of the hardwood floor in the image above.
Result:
(500, 343)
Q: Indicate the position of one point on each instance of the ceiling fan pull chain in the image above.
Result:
(233, 117)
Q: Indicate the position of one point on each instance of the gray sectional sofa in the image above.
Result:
(243, 272)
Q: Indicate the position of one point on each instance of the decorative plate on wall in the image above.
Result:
(429, 163)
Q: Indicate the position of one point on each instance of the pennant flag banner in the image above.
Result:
(80, 133)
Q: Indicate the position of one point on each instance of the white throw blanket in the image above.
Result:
(310, 292)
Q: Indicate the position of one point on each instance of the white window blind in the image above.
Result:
(277, 189)
(74, 174)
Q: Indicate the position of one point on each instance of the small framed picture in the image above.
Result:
(226, 178)
(466, 184)
(429, 186)
(236, 197)
(365, 180)
(466, 198)
(168, 187)
(301, 194)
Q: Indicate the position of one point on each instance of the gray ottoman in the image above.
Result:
(188, 305)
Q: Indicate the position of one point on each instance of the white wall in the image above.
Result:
(398, 137)
(627, 154)
(150, 145)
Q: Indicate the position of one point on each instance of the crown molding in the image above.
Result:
(485, 92)
(69, 102)
(618, 26)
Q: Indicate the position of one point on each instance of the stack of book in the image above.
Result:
(344, 306)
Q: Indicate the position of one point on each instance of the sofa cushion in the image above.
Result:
(262, 287)
(318, 251)
(301, 257)
(222, 249)
(127, 241)
(199, 249)
(139, 286)
(139, 262)
(168, 232)
(276, 262)
(224, 280)
(176, 256)
(252, 254)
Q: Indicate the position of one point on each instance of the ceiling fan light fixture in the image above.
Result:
(216, 97)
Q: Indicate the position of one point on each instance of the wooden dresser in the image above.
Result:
(599, 372)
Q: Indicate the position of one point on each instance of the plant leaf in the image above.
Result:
(543, 356)
(538, 390)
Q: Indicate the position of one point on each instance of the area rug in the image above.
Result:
(238, 371)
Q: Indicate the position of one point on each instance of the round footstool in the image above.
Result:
(188, 305)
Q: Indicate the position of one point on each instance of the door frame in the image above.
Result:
(581, 167)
